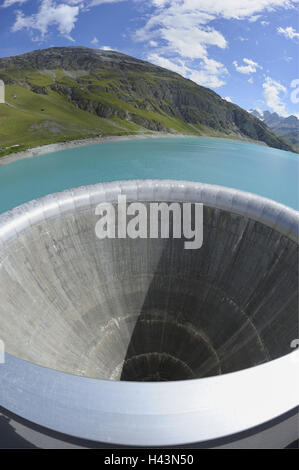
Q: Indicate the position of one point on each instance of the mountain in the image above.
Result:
(284, 128)
(65, 93)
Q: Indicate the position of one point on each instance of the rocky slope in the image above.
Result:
(65, 93)
(284, 128)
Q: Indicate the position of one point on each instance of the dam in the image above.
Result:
(129, 323)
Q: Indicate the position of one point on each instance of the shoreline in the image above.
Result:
(55, 147)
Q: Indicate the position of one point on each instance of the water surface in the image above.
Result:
(258, 169)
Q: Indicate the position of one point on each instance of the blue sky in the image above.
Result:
(245, 50)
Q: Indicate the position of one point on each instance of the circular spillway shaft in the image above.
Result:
(146, 309)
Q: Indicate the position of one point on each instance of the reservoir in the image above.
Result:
(249, 167)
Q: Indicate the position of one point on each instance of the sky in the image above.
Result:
(245, 50)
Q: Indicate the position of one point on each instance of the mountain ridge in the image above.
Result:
(66, 93)
(286, 128)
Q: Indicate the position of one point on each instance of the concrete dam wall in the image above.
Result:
(148, 310)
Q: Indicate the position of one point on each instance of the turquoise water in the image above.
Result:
(269, 172)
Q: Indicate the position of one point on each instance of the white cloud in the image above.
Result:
(108, 48)
(206, 75)
(192, 43)
(95, 3)
(229, 9)
(94, 41)
(250, 80)
(250, 67)
(186, 37)
(261, 113)
(60, 13)
(272, 92)
(179, 67)
(265, 23)
(209, 74)
(8, 3)
(254, 18)
(289, 32)
(228, 98)
(63, 16)
(184, 31)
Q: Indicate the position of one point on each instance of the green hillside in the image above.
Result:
(62, 94)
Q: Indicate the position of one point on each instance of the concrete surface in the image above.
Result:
(148, 309)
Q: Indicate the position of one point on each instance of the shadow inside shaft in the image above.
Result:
(165, 344)
(197, 317)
